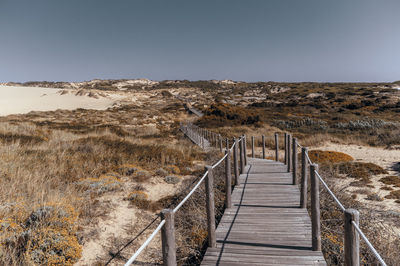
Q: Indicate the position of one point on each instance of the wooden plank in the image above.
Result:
(265, 225)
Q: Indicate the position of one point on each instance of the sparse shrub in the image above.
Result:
(128, 169)
(141, 176)
(99, 185)
(366, 123)
(307, 122)
(171, 179)
(228, 115)
(161, 172)
(391, 180)
(166, 93)
(319, 156)
(21, 138)
(393, 195)
(46, 237)
(361, 171)
(173, 169)
(140, 199)
(374, 197)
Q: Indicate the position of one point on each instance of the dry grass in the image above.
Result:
(71, 158)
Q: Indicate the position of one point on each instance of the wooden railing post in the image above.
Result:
(351, 238)
(228, 179)
(276, 147)
(245, 149)
(285, 144)
(242, 162)
(210, 207)
(227, 143)
(263, 146)
(303, 189)
(252, 147)
(235, 161)
(168, 238)
(288, 152)
(294, 159)
(315, 209)
(220, 143)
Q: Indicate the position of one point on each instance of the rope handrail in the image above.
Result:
(370, 246)
(190, 193)
(330, 192)
(148, 240)
(220, 161)
(145, 244)
(308, 158)
(373, 250)
(299, 145)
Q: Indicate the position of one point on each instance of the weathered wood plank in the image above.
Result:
(265, 225)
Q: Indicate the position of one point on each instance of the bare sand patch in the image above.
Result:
(20, 100)
(377, 155)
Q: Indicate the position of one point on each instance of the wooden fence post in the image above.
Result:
(235, 161)
(294, 159)
(288, 153)
(263, 146)
(168, 238)
(285, 144)
(315, 209)
(242, 162)
(303, 189)
(227, 143)
(351, 238)
(276, 147)
(245, 150)
(228, 179)
(220, 143)
(252, 147)
(210, 207)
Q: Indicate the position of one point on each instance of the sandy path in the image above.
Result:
(114, 225)
(119, 221)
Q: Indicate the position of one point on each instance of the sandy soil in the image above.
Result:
(19, 100)
(377, 155)
(117, 224)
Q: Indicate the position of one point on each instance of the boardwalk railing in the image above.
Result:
(166, 226)
(352, 231)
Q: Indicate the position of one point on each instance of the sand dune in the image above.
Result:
(19, 100)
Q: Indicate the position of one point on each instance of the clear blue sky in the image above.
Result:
(250, 40)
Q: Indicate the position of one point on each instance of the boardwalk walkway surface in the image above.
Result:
(265, 225)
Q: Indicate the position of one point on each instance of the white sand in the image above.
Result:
(20, 100)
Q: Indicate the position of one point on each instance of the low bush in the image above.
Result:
(221, 114)
(393, 195)
(173, 169)
(99, 185)
(46, 237)
(171, 179)
(391, 180)
(319, 156)
(360, 171)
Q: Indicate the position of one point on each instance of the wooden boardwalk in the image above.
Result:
(265, 225)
